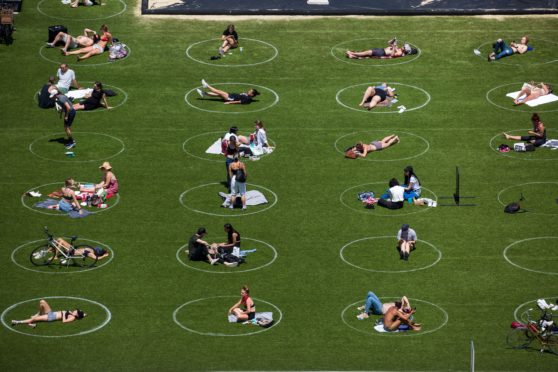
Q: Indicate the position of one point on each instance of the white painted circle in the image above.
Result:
(533, 305)
(428, 98)
(13, 329)
(406, 334)
(350, 61)
(59, 213)
(523, 184)
(125, 6)
(531, 109)
(215, 160)
(241, 214)
(508, 154)
(389, 271)
(77, 64)
(423, 208)
(105, 158)
(502, 61)
(82, 241)
(510, 261)
(233, 270)
(371, 158)
(276, 52)
(276, 322)
(224, 112)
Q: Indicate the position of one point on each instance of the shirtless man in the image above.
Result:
(70, 42)
(501, 49)
(373, 305)
(396, 315)
(391, 51)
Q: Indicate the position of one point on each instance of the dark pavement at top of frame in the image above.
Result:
(349, 7)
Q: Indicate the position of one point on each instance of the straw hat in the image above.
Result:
(105, 165)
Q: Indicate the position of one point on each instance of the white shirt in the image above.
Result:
(65, 78)
(411, 235)
(396, 193)
(416, 184)
(261, 137)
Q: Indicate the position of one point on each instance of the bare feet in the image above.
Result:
(506, 135)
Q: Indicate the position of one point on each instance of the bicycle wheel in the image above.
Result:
(519, 338)
(86, 257)
(552, 343)
(42, 255)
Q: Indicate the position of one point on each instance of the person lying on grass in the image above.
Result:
(229, 98)
(396, 315)
(500, 49)
(380, 95)
(97, 48)
(97, 98)
(537, 136)
(373, 306)
(100, 253)
(391, 51)
(88, 38)
(77, 3)
(363, 149)
(532, 91)
(46, 314)
(244, 309)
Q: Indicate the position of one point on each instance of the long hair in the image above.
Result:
(409, 172)
(230, 231)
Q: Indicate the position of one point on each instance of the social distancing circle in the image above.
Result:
(544, 52)
(537, 255)
(538, 197)
(98, 316)
(204, 199)
(379, 254)
(410, 146)
(197, 145)
(55, 9)
(432, 317)
(254, 52)
(497, 97)
(203, 317)
(47, 188)
(20, 257)
(338, 52)
(264, 256)
(529, 309)
(540, 153)
(410, 96)
(53, 55)
(267, 99)
(349, 198)
(90, 147)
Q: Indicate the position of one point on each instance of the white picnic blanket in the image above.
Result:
(536, 102)
(78, 93)
(551, 143)
(380, 328)
(215, 148)
(253, 197)
(265, 314)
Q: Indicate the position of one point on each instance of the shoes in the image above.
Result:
(244, 208)
(231, 264)
(49, 45)
(361, 308)
(14, 322)
(406, 257)
(39, 255)
(63, 262)
(213, 261)
(32, 325)
(204, 83)
(362, 316)
(70, 145)
(231, 206)
(221, 51)
(214, 58)
(200, 92)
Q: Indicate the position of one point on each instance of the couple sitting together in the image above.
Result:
(227, 253)
(396, 195)
(395, 314)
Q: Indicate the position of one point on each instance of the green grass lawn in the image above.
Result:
(318, 250)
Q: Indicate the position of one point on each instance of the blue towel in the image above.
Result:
(245, 252)
(72, 214)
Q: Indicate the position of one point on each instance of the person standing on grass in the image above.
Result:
(406, 241)
(66, 79)
(238, 176)
(229, 98)
(230, 40)
(69, 113)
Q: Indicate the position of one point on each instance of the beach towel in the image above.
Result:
(72, 214)
(551, 143)
(245, 252)
(253, 197)
(380, 328)
(266, 314)
(78, 93)
(536, 102)
(215, 148)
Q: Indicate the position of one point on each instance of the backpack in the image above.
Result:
(240, 175)
(264, 322)
(96, 200)
(512, 208)
(503, 148)
(117, 51)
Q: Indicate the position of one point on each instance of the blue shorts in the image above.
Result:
(51, 316)
(64, 206)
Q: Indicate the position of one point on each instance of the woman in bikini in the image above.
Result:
(97, 48)
(244, 309)
(532, 91)
(537, 136)
(391, 51)
(68, 200)
(46, 314)
(362, 149)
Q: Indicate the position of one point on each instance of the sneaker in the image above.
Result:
(221, 51)
(64, 262)
(49, 45)
(39, 255)
(213, 261)
(434, 204)
(200, 92)
(231, 264)
(14, 322)
(204, 83)
(244, 208)
(70, 145)
(231, 206)
(477, 52)
(32, 325)
(362, 316)
(361, 308)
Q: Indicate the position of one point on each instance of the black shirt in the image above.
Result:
(227, 33)
(196, 250)
(244, 98)
(44, 97)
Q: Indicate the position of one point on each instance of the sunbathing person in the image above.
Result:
(97, 98)
(68, 200)
(100, 253)
(362, 149)
(97, 48)
(391, 51)
(229, 38)
(244, 309)
(373, 305)
(88, 38)
(501, 49)
(396, 315)
(537, 136)
(229, 98)
(532, 91)
(378, 95)
(46, 314)
(77, 3)
(109, 184)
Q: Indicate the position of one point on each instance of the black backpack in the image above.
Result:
(512, 208)
(240, 175)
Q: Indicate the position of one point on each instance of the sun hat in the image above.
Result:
(105, 165)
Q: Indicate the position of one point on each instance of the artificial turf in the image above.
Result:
(316, 212)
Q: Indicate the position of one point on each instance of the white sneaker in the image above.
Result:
(64, 262)
(434, 204)
(213, 261)
(39, 255)
(204, 83)
(231, 206)
(200, 92)
(361, 308)
(231, 264)
(362, 316)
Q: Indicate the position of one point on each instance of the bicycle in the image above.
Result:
(82, 255)
(543, 330)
